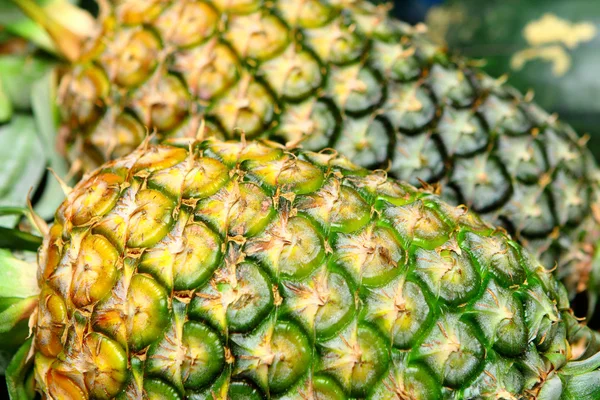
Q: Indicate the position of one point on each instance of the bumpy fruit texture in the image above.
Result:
(338, 74)
(237, 270)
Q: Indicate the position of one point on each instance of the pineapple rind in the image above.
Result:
(342, 75)
(282, 288)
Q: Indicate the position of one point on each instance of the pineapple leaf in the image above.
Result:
(15, 239)
(6, 108)
(17, 373)
(16, 312)
(14, 211)
(17, 23)
(17, 75)
(65, 25)
(33, 218)
(18, 278)
(23, 163)
(43, 95)
(18, 299)
(29, 84)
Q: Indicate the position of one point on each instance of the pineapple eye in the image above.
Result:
(341, 209)
(94, 199)
(139, 316)
(294, 74)
(258, 36)
(239, 302)
(366, 141)
(95, 270)
(199, 355)
(312, 123)
(450, 274)
(400, 309)
(52, 321)
(83, 96)
(186, 257)
(372, 256)
(323, 301)
(110, 361)
(451, 86)
(417, 223)
(336, 43)
(355, 90)
(280, 350)
(115, 137)
(163, 103)
(452, 350)
(132, 57)
(291, 248)
(185, 24)
(357, 358)
(248, 108)
(215, 68)
(409, 107)
(238, 209)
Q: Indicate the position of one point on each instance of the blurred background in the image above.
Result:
(550, 47)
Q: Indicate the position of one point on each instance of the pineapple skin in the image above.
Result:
(215, 270)
(341, 75)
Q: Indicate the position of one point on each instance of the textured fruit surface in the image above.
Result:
(239, 270)
(342, 75)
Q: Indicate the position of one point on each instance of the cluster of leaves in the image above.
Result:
(28, 118)
(27, 136)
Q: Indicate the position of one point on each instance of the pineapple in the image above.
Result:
(342, 75)
(232, 270)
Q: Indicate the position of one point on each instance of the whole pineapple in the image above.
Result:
(222, 270)
(344, 75)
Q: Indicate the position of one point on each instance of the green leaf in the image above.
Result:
(22, 211)
(23, 163)
(17, 312)
(6, 108)
(18, 278)
(17, 372)
(17, 23)
(18, 299)
(18, 74)
(43, 99)
(29, 142)
(14, 239)
(17, 327)
(55, 25)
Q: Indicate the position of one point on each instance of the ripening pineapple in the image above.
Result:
(343, 75)
(229, 270)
